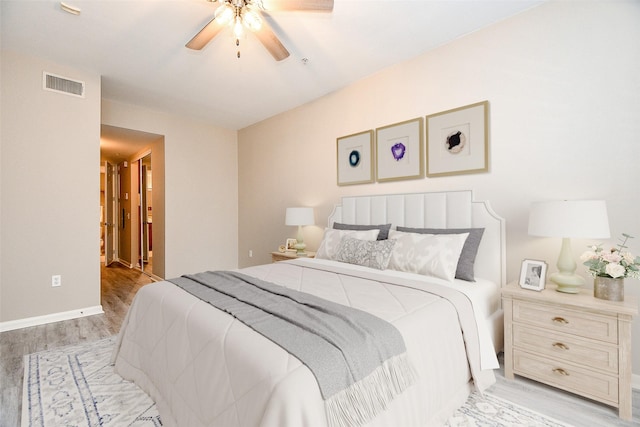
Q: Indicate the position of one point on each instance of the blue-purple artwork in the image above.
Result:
(397, 150)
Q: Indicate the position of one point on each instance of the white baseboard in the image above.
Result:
(635, 381)
(50, 318)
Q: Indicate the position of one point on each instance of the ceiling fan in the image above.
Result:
(247, 14)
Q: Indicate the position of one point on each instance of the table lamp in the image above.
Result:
(567, 219)
(299, 217)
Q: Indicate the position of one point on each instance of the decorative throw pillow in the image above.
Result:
(427, 254)
(465, 269)
(332, 238)
(374, 254)
(384, 228)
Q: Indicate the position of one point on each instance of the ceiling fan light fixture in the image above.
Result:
(225, 13)
(238, 14)
(251, 19)
(238, 28)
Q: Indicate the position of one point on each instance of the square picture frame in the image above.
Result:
(533, 274)
(458, 141)
(400, 151)
(355, 158)
(290, 245)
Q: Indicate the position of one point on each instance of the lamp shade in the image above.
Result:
(299, 216)
(569, 218)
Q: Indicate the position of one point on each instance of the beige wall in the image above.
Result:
(158, 180)
(562, 81)
(50, 205)
(201, 190)
(50, 191)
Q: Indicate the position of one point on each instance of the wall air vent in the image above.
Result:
(61, 84)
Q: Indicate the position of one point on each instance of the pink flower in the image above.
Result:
(612, 257)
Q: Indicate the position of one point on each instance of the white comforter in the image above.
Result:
(204, 368)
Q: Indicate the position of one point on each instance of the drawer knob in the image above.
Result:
(560, 371)
(560, 346)
(560, 320)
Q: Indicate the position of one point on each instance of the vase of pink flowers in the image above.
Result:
(610, 267)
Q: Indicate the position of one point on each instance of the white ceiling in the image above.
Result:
(138, 49)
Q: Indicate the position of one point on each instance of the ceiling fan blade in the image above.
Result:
(303, 5)
(271, 42)
(206, 34)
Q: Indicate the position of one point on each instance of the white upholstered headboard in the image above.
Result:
(453, 209)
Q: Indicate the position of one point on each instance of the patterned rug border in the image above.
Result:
(76, 385)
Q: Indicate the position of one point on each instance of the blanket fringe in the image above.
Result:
(364, 400)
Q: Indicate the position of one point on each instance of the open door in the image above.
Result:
(145, 214)
(110, 213)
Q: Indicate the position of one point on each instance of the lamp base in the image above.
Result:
(299, 247)
(566, 278)
(568, 283)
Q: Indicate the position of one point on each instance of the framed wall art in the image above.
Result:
(458, 141)
(533, 274)
(355, 164)
(399, 151)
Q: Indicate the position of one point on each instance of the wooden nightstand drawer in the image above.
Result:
(567, 376)
(587, 353)
(560, 319)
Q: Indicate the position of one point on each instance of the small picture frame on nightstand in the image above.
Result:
(533, 274)
(290, 245)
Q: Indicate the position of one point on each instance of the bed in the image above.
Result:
(204, 367)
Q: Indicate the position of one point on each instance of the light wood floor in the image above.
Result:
(562, 406)
(119, 285)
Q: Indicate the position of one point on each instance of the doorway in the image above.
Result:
(132, 220)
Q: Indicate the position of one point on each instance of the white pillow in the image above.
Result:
(331, 241)
(427, 254)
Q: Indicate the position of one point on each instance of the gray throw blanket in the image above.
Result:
(359, 360)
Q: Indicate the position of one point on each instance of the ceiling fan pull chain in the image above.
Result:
(238, 44)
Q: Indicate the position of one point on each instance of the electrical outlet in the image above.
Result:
(56, 280)
(250, 253)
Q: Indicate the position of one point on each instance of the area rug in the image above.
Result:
(492, 411)
(76, 386)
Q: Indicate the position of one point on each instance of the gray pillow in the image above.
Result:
(464, 271)
(384, 228)
(368, 253)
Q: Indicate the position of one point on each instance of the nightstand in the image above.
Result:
(283, 256)
(574, 342)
